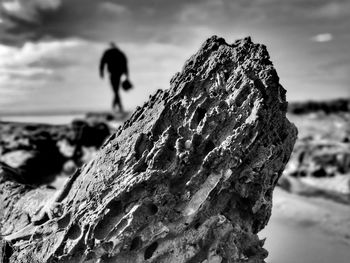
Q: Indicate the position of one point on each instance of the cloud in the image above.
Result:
(47, 73)
(155, 20)
(324, 37)
(113, 8)
(329, 10)
(332, 10)
(34, 20)
(31, 52)
(29, 10)
(39, 61)
(98, 20)
(25, 72)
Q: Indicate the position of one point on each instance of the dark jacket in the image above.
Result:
(116, 62)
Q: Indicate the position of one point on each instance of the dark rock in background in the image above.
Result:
(40, 152)
(327, 107)
(320, 163)
(188, 178)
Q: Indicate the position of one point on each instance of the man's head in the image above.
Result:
(112, 44)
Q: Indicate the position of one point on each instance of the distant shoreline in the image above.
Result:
(59, 117)
(53, 119)
(51, 113)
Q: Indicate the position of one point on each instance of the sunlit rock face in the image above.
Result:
(188, 178)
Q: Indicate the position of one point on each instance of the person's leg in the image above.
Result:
(115, 81)
(115, 100)
(119, 102)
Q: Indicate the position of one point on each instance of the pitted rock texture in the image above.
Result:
(188, 178)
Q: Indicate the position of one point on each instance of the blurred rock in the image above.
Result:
(69, 167)
(16, 158)
(327, 107)
(39, 151)
(320, 163)
(39, 162)
(66, 148)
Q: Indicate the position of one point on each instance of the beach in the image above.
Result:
(301, 229)
(307, 230)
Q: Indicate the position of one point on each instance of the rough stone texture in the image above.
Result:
(188, 178)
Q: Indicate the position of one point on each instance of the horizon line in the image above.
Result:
(52, 112)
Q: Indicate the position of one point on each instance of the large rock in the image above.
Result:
(188, 178)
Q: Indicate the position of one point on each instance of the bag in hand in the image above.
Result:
(126, 85)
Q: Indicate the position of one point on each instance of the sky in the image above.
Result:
(50, 49)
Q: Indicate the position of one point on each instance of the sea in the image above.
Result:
(54, 119)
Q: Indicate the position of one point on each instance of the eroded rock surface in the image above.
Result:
(188, 178)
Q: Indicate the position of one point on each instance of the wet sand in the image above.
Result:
(307, 230)
(288, 242)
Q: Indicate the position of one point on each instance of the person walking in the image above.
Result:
(116, 63)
